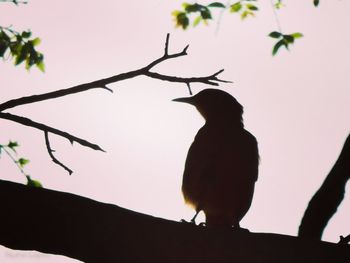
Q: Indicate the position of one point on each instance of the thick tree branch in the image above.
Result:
(326, 200)
(45, 128)
(66, 224)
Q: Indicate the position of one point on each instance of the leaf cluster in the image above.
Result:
(203, 12)
(21, 47)
(245, 8)
(283, 40)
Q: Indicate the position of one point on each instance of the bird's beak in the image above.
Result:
(188, 100)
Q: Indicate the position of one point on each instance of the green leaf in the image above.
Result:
(246, 13)
(252, 7)
(275, 34)
(26, 34)
(4, 36)
(3, 47)
(206, 14)
(36, 41)
(316, 2)
(182, 20)
(278, 45)
(33, 183)
(197, 20)
(41, 66)
(217, 4)
(193, 8)
(12, 145)
(288, 38)
(22, 162)
(297, 35)
(22, 55)
(236, 7)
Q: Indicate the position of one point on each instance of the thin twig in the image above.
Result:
(209, 80)
(189, 88)
(51, 151)
(43, 127)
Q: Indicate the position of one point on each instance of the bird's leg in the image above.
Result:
(193, 220)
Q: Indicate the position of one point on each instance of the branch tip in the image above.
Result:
(189, 88)
(166, 49)
(185, 49)
(51, 151)
(106, 88)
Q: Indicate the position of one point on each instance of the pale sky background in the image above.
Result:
(296, 104)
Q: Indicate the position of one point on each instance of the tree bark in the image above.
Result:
(61, 223)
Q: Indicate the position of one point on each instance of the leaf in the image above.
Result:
(297, 35)
(246, 13)
(36, 41)
(26, 34)
(206, 14)
(12, 145)
(193, 8)
(22, 162)
(236, 7)
(182, 20)
(252, 7)
(288, 38)
(278, 45)
(316, 2)
(4, 36)
(197, 20)
(3, 47)
(33, 183)
(217, 4)
(22, 55)
(40, 63)
(275, 34)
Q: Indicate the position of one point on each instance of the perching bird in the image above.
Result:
(222, 163)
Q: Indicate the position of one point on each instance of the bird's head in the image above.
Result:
(216, 105)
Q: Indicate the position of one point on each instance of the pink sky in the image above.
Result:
(296, 104)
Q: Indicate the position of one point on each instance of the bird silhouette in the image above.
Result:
(222, 163)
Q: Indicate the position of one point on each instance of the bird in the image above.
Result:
(221, 167)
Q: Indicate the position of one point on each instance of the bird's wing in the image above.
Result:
(197, 171)
(250, 155)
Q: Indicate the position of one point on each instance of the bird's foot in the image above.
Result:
(192, 222)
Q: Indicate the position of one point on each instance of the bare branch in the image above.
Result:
(189, 88)
(166, 49)
(43, 127)
(98, 84)
(209, 80)
(102, 83)
(50, 151)
(166, 55)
